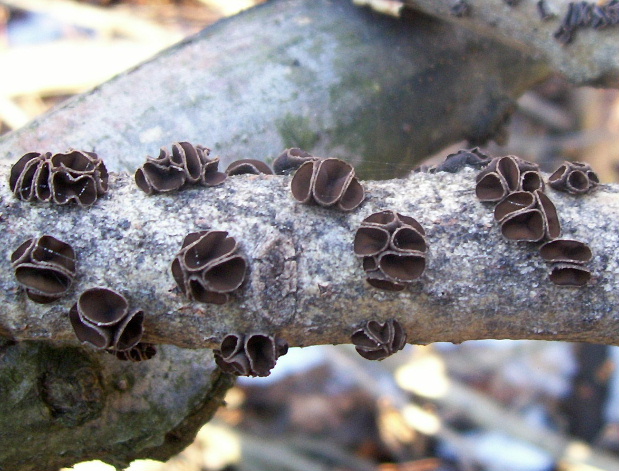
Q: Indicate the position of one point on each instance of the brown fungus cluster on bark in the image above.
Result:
(526, 214)
(393, 248)
(141, 352)
(45, 267)
(208, 266)
(101, 318)
(187, 164)
(290, 160)
(587, 15)
(328, 183)
(72, 177)
(576, 178)
(376, 341)
(248, 167)
(249, 355)
(567, 258)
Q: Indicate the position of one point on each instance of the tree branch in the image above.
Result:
(305, 282)
(591, 59)
(325, 76)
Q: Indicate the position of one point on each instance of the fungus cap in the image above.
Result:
(376, 341)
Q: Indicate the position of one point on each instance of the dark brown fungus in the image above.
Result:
(401, 267)
(569, 274)
(549, 212)
(101, 318)
(208, 266)
(371, 241)
(376, 341)
(504, 175)
(525, 226)
(248, 166)
(249, 355)
(141, 352)
(491, 186)
(567, 258)
(75, 176)
(171, 171)
(290, 160)
(574, 177)
(327, 182)
(566, 250)
(393, 248)
(44, 267)
(515, 202)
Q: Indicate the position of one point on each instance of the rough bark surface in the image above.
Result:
(592, 58)
(61, 404)
(323, 75)
(305, 282)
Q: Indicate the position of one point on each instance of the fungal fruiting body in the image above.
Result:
(248, 166)
(249, 355)
(290, 160)
(101, 318)
(329, 183)
(587, 15)
(574, 177)
(376, 341)
(393, 248)
(526, 214)
(567, 258)
(142, 351)
(185, 165)
(208, 266)
(74, 176)
(45, 267)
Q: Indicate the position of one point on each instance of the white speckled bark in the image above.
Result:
(305, 282)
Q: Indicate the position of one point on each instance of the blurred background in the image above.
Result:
(485, 405)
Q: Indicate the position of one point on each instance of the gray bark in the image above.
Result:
(591, 59)
(322, 75)
(305, 282)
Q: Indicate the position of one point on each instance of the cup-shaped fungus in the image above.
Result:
(44, 267)
(327, 182)
(376, 341)
(505, 175)
(574, 177)
(141, 352)
(208, 266)
(249, 355)
(29, 177)
(569, 274)
(102, 319)
(566, 250)
(393, 248)
(74, 176)
(185, 164)
(567, 258)
(248, 166)
(290, 160)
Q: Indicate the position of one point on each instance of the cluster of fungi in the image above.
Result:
(209, 266)
(71, 177)
(526, 214)
(101, 318)
(393, 248)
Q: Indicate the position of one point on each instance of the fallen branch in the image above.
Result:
(591, 59)
(305, 282)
